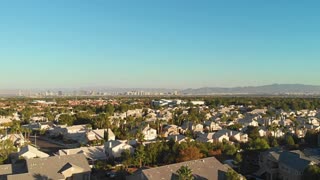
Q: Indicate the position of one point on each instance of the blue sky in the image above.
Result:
(167, 43)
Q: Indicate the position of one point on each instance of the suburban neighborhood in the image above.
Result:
(143, 138)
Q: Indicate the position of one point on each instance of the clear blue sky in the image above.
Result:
(158, 43)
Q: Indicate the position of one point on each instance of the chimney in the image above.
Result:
(176, 138)
(110, 144)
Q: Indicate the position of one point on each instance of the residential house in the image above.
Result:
(17, 139)
(5, 120)
(286, 122)
(208, 168)
(179, 138)
(149, 133)
(206, 137)
(238, 136)
(151, 117)
(247, 121)
(91, 153)
(36, 119)
(73, 167)
(39, 126)
(264, 121)
(220, 136)
(286, 165)
(230, 135)
(134, 113)
(5, 170)
(9, 119)
(269, 164)
(262, 131)
(188, 125)
(170, 130)
(99, 134)
(277, 133)
(76, 133)
(30, 152)
(113, 149)
(200, 103)
(313, 121)
(293, 163)
(259, 111)
(212, 126)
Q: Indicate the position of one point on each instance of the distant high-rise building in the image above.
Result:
(20, 93)
(60, 93)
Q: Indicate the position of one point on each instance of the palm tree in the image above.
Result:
(7, 147)
(140, 137)
(15, 127)
(140, 155)
(185, 173)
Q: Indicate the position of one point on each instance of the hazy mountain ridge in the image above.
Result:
(266, 89)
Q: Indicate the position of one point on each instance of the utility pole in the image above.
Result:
(35, 139)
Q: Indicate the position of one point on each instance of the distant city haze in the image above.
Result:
(158, 44)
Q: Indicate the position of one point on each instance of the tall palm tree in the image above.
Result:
(185, 173)
(15, 127)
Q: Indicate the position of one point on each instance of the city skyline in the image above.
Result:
(164, 44)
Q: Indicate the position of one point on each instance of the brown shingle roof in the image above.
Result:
(208, 168)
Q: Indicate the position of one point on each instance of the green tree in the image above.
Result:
(232, 175)
(311, 172)
(185, 173)
(140, 155)
(7, 147)
(109, 109)
(140, 137)
(189, 153)
(290, 140)
(102, 121)
(49, 116)
(311, 138)
(238, 158)
(259, 144)
(274, 142)
(229, 149)
(66, 119)
(15, 127)
(253, 132)
(126, 158)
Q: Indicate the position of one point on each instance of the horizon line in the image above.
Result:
(147, 88)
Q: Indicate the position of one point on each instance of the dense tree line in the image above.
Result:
(162, 152)
(284, 103)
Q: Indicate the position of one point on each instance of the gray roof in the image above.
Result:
(208, 168)
(113, 143)
(275, 156)
(93, 153)
(176, 137)
(33, 150)
(295, 160)
(51, 167)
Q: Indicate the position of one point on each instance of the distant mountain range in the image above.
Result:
(267, 89)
